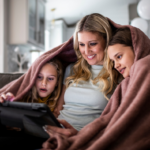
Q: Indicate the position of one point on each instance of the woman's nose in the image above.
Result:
(87, 49)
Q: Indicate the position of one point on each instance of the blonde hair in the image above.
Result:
(32, 96)
(121, 36)
(95, 23)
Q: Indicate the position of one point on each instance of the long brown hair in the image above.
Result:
(94, 23)
(32, 96)
(121, 36)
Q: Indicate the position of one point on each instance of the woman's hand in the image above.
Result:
(58, 136)
(58, 142)
(8, 96)
(67, 132)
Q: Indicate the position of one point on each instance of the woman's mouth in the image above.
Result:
(43, 90)
(91, 56)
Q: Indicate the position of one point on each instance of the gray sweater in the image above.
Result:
(83, 102)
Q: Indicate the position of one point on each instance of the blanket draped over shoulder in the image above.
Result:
(125, 122)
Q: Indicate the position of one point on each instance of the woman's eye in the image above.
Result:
(93, 44)
(81, 44)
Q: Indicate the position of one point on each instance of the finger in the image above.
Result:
(71, 130)
(50, 132)
(3, 96)
(1, 100)
(10, 96)
(53, 129)
(49, 146)
(50, 143)
(62, 142)
(65, 123)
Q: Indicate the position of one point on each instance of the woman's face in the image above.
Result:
(123, 58)
(46, 80)
(91, 46)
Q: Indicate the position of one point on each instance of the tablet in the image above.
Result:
(30, 117)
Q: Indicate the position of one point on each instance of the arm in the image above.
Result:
(60, 102)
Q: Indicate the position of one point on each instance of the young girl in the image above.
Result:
(120, 54)
(47, 86)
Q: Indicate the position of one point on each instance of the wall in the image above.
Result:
(133, 14)
(70, 31)
(148, 32)
(56, 34)
(1, 36)
(119, 15)
(59, 33)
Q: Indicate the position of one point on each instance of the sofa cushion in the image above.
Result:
(8, 77)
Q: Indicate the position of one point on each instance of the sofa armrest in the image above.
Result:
(5, 78)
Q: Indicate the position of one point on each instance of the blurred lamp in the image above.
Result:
(143, 9)
(53, 18)
(140, 23)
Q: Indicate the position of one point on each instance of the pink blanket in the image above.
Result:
(125, 122)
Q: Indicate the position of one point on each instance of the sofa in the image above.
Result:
(8, 77)
(11, 139)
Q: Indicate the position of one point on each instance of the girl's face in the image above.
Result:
(46, 80)
(91, 46)
(123, 58)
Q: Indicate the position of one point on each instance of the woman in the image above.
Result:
(124, 123)
(84, 98)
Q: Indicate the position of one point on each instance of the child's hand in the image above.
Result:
(8, 96)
